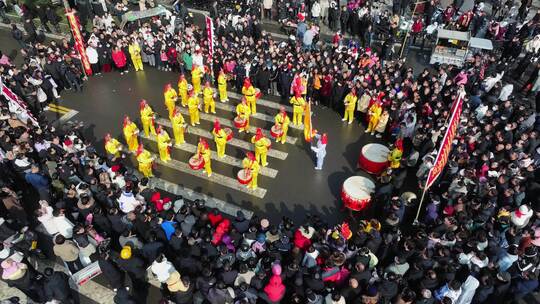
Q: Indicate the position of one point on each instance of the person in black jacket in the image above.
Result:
(57, 287)
(42, 15)
(112, 273)
(52, 17)
(30, 29)
(17, 34)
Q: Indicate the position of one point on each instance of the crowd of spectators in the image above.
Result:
(478, 236)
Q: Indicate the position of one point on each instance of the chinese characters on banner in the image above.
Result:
(446, 144)
(210, 36)
(79, 43)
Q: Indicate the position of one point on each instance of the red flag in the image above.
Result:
(79, 42)
(446, 144)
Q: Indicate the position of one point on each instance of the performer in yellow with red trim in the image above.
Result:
(112, 145)
(196, 76)
(243, 110)
(250, 163)
(183, 89)
(179, 126)
(204, 151)
(262, 144)
(395, 155)
(374, 115)
(222, 86)
(350, 105)
(131, 131)
(147, 118)
(193, 108)
(298, 103)
(135, 54)
(164, 144)
(145, 160)
(208, 98)
(170, 98)
(249, 93)
(282, 119)
(220, 137)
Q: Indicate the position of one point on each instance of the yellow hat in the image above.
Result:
(125, 253)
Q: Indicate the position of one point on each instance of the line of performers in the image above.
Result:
(188, 96)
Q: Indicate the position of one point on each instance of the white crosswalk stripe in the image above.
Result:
(263, 102)
(233, 142)
(226, 159)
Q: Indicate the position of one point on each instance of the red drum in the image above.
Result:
(229, 133)
(196, 162)
(258, 93)
(240, 122)
(356, 192)
(373, 158)
(276, 131)
(244, 176)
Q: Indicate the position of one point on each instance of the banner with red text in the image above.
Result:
(79, 42)
(446, 144)
(16, 104)
(210, 37)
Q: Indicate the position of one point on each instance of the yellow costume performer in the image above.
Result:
(262, 144)
(183, 90)
(204, 151)
(135, 53)
(193, 108)
(298, 103)
(283, 120)
(208, 98)
(178, 125)
(222, 86)
(112, 145)
(220, 137)
(170, 98)
(145, 160)
(196, 75)
(147, 118)
(243, 110)
(395, 155)
(164, 144)
(250, 163)
(350, 106)
(130, 134)
(374, 113)
(250, 94)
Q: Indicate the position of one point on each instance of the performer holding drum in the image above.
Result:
(204, 153)
(262, 145)
(250, 93)
(131, 131)
(112, 145)
(221, 136)
(145, 159)
(222, 86)
(193, 108)
(208, 98)
(243, 111)
(164, 144)
(147, 118)
(170, 98)
(298, 103)
(281, 126)
(249, 174)
(179, 126)
(183, 89)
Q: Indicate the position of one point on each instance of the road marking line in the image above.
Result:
(258, 115)
(55, 110)
(263, 102)
(216, 177)
(229, 160)
(233, 142)
(229, 123)
(59, 107)
(68, 116)
(190, 194)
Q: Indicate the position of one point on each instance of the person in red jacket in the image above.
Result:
(120, 60)
(274, 290)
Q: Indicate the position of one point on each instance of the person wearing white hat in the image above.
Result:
(521, 216)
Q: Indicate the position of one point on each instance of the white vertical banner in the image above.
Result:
(16, 104)
(210, 36)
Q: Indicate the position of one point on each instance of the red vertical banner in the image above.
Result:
(210, 36)
(446, 144)
(79, 42)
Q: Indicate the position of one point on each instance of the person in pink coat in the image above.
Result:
(120, 60)
(275, 290)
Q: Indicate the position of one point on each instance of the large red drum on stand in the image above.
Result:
(356, 192)
(373, 158)
(244, 176)
(196, 162)
(240, 122)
